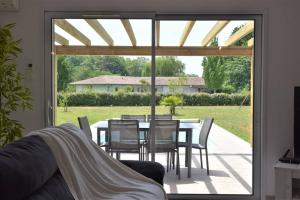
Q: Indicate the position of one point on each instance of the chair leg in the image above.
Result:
(201, 158)
(207, 162)
(140, 154)
(173, 159)
(178, 165)
(167, 161)
(186, 157)
(147, 154)
(143, 152)
(170, 161)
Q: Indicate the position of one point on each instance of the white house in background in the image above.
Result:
(106, 83)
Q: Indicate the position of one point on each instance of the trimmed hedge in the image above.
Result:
(144, 99)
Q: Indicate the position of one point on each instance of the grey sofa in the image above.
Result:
(28, 170)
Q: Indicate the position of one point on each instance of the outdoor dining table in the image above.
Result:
(186, 127)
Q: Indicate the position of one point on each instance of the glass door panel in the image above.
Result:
(198, 78)
(102, 71)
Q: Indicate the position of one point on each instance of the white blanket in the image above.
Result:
(90, 173)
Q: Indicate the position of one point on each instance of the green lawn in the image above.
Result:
(233, 118)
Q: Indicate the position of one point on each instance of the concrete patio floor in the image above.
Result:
(230, 163)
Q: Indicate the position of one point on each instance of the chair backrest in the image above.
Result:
(85, 126)
(123, 134)
(160, 117)
(166, 134)
(189, 120)
(140, 118)
(204, 132)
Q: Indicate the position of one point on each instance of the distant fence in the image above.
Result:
(144, 99)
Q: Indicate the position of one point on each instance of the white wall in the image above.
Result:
(281, 69)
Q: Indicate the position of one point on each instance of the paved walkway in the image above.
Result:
(230, 160)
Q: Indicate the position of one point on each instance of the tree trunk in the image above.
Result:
(172, 110)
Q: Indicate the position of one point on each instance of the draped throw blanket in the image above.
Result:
(90, 173)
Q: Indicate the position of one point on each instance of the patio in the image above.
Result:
(230, 160)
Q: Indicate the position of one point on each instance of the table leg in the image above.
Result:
(186, 149)
(189, 155)
(106, 140)
(98, 136)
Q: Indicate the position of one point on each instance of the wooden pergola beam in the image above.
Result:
(129, 30)
(100, 30)
(61, 40)
(250, 42)
(157, 29)
(160, 51)
(69, 28)
(217, 28)
(245, 30)
(186, 31)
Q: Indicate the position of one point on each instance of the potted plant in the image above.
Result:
(14, 96)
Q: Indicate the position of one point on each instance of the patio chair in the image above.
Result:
(166, 140)
(140, 118)
(184, 143)
(160, 117)
(143, 134)
(203, 136)
(163, 117)
(85, 127)
(124, 137)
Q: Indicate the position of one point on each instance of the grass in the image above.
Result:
(232, 118)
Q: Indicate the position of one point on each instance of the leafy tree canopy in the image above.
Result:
(228, 74)
(213, 70)
(74, 68)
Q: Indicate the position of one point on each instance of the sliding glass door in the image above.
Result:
(201, 76)
(191, 68)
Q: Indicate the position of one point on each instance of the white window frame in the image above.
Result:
(48, 73)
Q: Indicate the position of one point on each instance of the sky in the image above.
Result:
(170, 33)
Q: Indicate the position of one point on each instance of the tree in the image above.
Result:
(14, 95)
(213, 70)
(169, 66)
(238, 73)
(238, 69)
(175, 85)
(171, 101)
(114, 64)
(146, 70)
(135, 67)
(145, 85)
(64, 73)
(165, 66)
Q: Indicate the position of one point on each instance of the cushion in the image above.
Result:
(25, 166)
(54, 189)
(149, 169)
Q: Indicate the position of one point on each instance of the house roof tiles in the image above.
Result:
(131, 80)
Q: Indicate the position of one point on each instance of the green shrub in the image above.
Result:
(144, 99)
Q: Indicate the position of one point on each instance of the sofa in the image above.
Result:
(28, 170)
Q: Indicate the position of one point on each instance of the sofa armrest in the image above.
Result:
(149, 169)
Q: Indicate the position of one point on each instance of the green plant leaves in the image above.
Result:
(13, 95)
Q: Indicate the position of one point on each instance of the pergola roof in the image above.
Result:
(203, 49)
